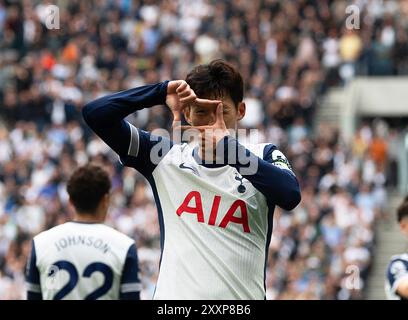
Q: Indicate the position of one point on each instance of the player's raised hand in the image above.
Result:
(209, 135)
(219, 127)
(179, 96)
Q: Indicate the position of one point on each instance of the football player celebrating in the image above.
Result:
(215, 213)
(396, 285)
(84, 259)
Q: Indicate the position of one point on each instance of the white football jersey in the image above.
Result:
(215, 225)
(396, 271)
(83, 261)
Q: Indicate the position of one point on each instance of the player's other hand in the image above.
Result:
(179, 96)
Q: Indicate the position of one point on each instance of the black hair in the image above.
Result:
(87, 186)
(402, 210)
(216, 80)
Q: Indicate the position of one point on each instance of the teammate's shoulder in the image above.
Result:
(116, 234)
(399, 259)
(54, 231)
(397, 266)
(396, 271)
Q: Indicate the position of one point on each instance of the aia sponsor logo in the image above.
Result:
(237, 212)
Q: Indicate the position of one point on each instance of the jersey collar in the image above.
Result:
(199, 161)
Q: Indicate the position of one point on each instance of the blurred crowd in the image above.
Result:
(289, 52)
(323, 249)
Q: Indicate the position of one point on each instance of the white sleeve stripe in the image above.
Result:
(131, 287)
(134, 142)
(33, 287)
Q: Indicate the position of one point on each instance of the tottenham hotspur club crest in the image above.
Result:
(241, 188)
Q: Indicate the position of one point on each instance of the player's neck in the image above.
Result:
(89, 218)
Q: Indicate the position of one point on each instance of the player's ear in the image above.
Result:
(187, 115)
(241, 110)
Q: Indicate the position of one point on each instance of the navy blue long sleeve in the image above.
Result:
(33, 276)
(130, 284)
(279, 186)
(105, 116)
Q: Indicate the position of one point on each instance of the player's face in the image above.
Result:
(201, 116)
